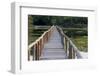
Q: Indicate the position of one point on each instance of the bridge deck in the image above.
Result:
(53, 49)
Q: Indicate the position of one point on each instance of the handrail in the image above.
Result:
(35, 48)
(71, 50)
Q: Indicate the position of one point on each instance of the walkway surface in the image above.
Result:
(53, 49)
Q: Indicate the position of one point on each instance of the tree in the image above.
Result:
(65, 21)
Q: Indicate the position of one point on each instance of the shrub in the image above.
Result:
(73, 33)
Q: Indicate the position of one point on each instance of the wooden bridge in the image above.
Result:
(52, 45)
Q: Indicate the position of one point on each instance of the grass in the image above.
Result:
(81, 42)
(78, 36)
(35, 33)
(32, 39)
(74, 29)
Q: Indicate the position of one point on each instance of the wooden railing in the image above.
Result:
(71, 50)
(35, 48)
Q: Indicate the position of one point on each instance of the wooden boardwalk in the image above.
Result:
(53, 49)
(52, 45)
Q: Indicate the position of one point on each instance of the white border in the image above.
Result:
(19, 18)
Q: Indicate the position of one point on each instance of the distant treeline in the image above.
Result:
(64, 21)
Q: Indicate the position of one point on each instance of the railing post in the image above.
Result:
(36, 51)
(73, 53)
(49, 32)
(42, 43)
(46, 36)
(40, 46)
(66, 45)
(70, 51)
(33, 52)
(62, 38)
(29, 55)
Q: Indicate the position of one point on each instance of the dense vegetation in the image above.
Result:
(33, 32)
(79, 36)
(63, 21)
(74, 27)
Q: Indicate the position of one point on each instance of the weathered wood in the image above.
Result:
(40, 46)
(73, 50)
(36, 53)
(73, 54)
(66, 45)
(53, 49)
(29, 55)
(53, 39)
(38, 50)
(37, 46)
(33, 52)
(70, 52)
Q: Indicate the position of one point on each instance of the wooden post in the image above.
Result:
(33, 52)
(66, 45)
(47, 36)
(70, 51)
(29, 55)
(44, 38)
(50, 33)
(64, 42)
(62, 39)
(40, 48)
(73, 53)
(36, 51)
(42, 43)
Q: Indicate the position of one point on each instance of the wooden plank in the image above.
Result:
(53, 49)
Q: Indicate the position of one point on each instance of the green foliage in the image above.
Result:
(73, 33)
(33, 33)
(79, 36)
(81, 42)
(64, 21)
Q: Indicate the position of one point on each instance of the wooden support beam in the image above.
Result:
(73, 54)
(70, 52)
(29, 55)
